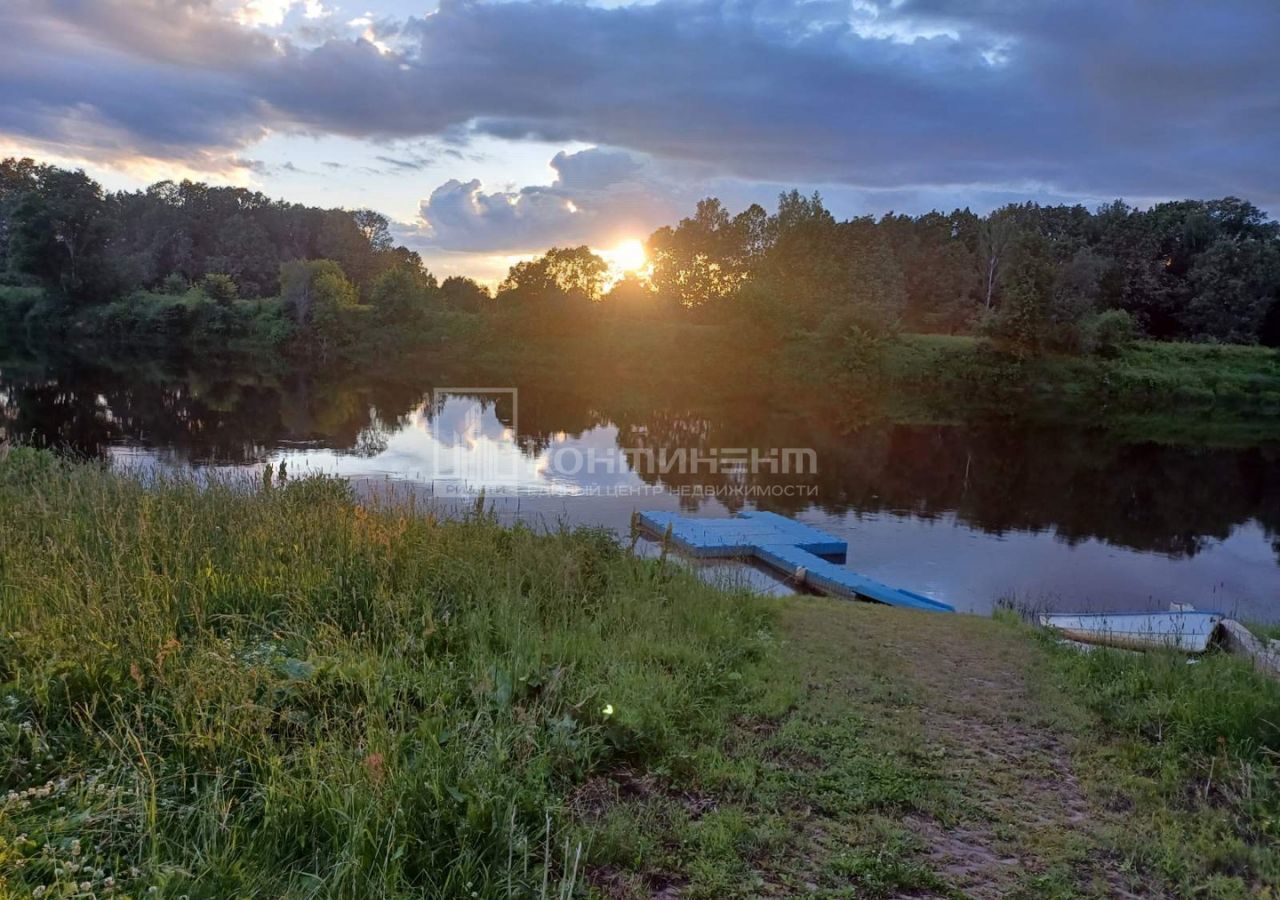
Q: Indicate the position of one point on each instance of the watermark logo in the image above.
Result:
(475, 445)
(475, 437)
(683, 461)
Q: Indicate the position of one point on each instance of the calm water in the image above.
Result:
(1059, 515)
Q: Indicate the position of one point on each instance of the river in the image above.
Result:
(1051, 514)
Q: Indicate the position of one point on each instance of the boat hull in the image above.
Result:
(1190, 632)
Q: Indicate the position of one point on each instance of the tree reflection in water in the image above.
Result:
(997, 473)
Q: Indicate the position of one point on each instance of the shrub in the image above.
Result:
(16, 302)
(1110, 333)
(174, 283)
(212, 319)
(219, 287)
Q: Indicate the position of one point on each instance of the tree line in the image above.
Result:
(60, 228)
(1032, 277)
(1029, 276)
(319, 275)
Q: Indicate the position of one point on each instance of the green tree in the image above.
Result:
(58, 234)
(634, 297)
(375, 227)
(1233, 286)
(322, 303)
(1135, 278)
(404, 296)
(220, 287)
(561, 273)
(707, 257)
(463, 294)
(17, 177)
(1022, 320)
(997, 234)
(1076, 286)
(936, 256)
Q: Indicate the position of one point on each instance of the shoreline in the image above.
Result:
(390, 701)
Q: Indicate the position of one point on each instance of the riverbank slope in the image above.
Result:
(232, 688)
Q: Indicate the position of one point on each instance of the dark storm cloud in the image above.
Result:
(1096, 97)
(111, 80)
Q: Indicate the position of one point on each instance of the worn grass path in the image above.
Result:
(981, 796)
(909, 755)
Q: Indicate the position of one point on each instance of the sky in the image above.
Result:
(490, 130)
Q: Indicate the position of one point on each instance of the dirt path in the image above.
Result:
(891, 754)
(946, 706)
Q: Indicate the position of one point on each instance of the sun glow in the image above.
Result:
(629, 256)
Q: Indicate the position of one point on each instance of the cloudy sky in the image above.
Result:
(490, 130)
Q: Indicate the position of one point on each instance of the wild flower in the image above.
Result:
(607, 711)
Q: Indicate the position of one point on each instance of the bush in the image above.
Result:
(16, 302)
(215, 320)
(1109, 333)
(760, 315)
(174, 284)
(219, 287)
(856, 336)
(267, 322)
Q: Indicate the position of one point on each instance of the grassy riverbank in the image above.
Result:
(1143, 374)
(914, 374)
(234, 691)
(224, 692)
(907, 376)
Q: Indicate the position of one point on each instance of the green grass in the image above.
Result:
(957, 369)
(236, 690)
(1194, 750)
(264, 689)
(919, 754)
(1268, 631)
(807, 794)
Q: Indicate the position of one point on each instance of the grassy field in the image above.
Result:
(267, 690)
(1147, 373)
(279, 693)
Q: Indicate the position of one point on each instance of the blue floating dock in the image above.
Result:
(790, 547)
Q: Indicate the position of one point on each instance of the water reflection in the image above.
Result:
(1062, 509)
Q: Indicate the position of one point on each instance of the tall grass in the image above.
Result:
(233, 690)
(1197, 743)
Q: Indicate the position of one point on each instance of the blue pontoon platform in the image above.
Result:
(790, 547)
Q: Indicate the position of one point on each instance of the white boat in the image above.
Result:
(1188, 631)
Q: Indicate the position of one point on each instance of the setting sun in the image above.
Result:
(629, 256)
